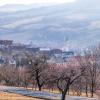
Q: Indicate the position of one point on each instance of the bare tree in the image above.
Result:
(77, 86)
(89, 61)
(66, 80)
(65, 77)
(9, 74)
(38, 69)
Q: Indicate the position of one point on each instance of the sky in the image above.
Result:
(27, 2)
(79, 21)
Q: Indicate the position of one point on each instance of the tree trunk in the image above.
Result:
(92, 89)
(86, 90)
(65, 90)
(63, 96)
(68, 92)
(92, 92)
(39, 88)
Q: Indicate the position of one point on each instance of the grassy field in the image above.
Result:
(11, 96)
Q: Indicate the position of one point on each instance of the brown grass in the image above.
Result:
(70, 93)
(12, 96)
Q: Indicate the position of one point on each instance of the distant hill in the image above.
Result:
(48, 26)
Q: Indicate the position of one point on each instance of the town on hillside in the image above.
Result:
(14, 53)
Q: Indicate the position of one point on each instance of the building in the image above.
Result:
(6, 42)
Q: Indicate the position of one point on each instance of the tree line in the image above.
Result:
(81, 76)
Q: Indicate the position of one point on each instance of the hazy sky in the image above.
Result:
(3, 2)
(49, 26)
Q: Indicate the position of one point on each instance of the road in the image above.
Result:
(38, 94)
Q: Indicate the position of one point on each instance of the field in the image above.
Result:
(12, 96)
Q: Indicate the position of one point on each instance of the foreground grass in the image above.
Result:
(12, 96)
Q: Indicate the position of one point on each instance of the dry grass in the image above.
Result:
(12, 96)
(70, 93)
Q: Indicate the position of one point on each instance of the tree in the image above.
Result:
(9, 74)
(25, 76)
(68, 76)
(38, 69)
(65, 77)
(90, 62)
